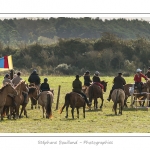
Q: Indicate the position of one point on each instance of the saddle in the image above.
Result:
(78, 94)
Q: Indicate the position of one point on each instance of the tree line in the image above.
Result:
(108, 54)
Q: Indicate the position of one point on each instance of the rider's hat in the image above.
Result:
(138, 70)
(77, 76)
(87, 72)
(120, 73)
(7, 75)
(96, 73)
(45, 79)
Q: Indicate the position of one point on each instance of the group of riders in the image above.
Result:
(118, 82)
(34, 78)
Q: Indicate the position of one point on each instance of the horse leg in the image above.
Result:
(25, 112)
(77, 112)
(43, 111)
(102, 102)
(72, 111)
(115, 108)
(31, 105)
(66, 112)
(125, 102)
(21, 111)
(83, 111)
(120, 108)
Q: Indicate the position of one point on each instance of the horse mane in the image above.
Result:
(20, 83)
(1, 90)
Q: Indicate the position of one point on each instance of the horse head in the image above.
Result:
(104, 84)
(10, 89)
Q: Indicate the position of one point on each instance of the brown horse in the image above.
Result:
(18, 99)
(32, 93)
(95, 92)
(33, 101)
(74, 100)
(118, 96)
(4, 91)
(45, 100)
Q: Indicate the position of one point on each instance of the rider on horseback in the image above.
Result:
(96, 80)
(87, 80)
(15, 82)
(77, 87)
(119, 82)
(137, 78)
(7, 80)
(34, 78)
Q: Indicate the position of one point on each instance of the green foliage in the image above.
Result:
(81, 43)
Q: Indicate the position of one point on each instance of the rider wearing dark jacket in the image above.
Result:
(45, 86)
(87, 80)
(119, 82)
(34, 78)
(77, 87)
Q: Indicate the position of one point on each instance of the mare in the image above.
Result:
(118, 96)
(95, 92)
(45, 100)
(4, 91)
(74, 100)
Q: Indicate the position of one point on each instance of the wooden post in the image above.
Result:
(148, 98)
(58, 97)
(131, 100)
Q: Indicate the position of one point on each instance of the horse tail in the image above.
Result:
(116, 100)
(91, 94)
(67, 99)
(48, 107)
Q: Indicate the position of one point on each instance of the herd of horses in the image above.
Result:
(12, 99)
(93, 92)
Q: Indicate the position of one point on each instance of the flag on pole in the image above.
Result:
(6, 63)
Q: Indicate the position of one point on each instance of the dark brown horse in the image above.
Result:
(118, 97)
(4, 91)
(95, 92)
(74, 100)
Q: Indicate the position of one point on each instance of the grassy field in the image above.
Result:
(96, 121)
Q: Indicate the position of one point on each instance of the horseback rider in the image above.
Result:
(44, 87)
(16, 81)
(96, 80)
(119, 82)
(87, 80)
(77, 87)
(148, 73)
(34, 78)
(138, 78)
(7, 80)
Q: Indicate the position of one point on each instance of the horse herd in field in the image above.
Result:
(11, 99)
